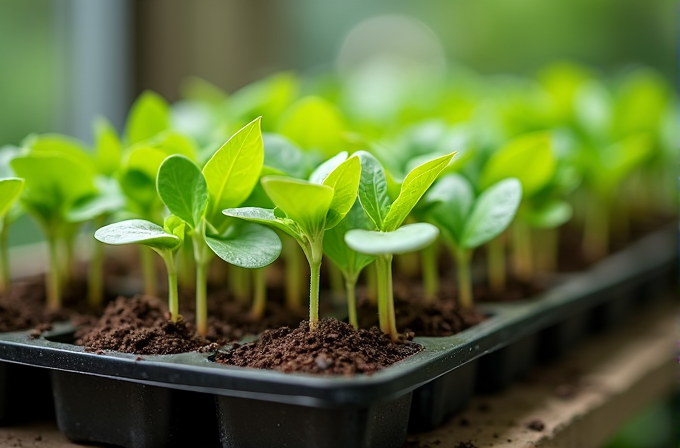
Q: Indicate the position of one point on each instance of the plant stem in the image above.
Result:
(386, 296)
(53, 276)
(294, 276)
(5, 278)
(186, 272)
(173, 294)
(149, 271)
(239, 283)
(596, 232)
(522, 251)
(315, 275)
(95, 283)
(372, 283)
(464, 279)
(202, 298)
(260, 297)
(546, 250)
(496, 264)
(430, 269)
(350, 290)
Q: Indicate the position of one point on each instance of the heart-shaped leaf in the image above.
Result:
(234, 169)
(183, 189)
(344, 180)
(373, 188)
(492, 214)
(138, 231)
(414, 187)
(247, 246)
(10, 190)
(409, 238)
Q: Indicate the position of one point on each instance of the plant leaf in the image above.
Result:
(183, 189)
(314, 124)
(409, 238)
(305, 203)
(529, 158)
(414, 187)
(282, 155)
(108, 199)
(319, 175)
(138, 231)
(149, 115)
(492, 214)
(10, 190)
(247, 246)
(548, 216)
(109, 151)
(452, 198)
(264, 216)
(233, 171)
(61, 145)
(348, 260)
(175, 225)
(344, 180)
(373, 188)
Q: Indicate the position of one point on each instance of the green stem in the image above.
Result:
(496, 264)
(239, 282)
(386, 296)
(260, 298)
(186, 272)
(522, 251)
(372, 283)
(5, 278)
(173, 294)
(294, 275)
(95, 283)
(546, 250)
(315, 275)
(53, 276)
(149, 271)
(596, 233)
(430, 268)
(464, 279)
(350, 290)
(202, 298)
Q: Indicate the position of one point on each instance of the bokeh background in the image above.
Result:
(65, 61)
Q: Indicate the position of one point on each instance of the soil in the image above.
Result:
(333, 348)
(140, 325)
(536, 425)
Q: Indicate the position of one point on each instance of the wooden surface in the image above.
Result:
(581, 400)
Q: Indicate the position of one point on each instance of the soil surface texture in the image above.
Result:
(140, 325)
(333, 348)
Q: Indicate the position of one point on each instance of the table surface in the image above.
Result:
(578, 401)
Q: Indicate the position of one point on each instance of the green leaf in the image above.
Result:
(452, 198)
(492, 214)
(409, 238)
(305, 203)
(348, 260)
(108, 199)
(183, 189)
(282, 155)
(344, 180)
(529, 158)
(620, 159)
(373, 188)
(548, 216)
(234, 169)
(414, 187)
(149, 115)
(175, 225)
(172, 142)
(249, 246)
(109, 151)
(10, 190)
(266, 217)
(7, 153)
(138, 231)
(319, 175)
(314, 124)
(61, 145)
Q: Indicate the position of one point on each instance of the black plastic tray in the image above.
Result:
(264, 408)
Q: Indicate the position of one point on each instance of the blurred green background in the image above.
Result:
(65, 61)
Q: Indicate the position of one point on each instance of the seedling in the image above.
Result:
(388, 237)
(306, 209)
(10, 190)
(165, 241)
(196, 197)
(467, 223)
(49, 196)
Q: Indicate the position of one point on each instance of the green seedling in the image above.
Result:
(196, 197)
(388, 237)
(54, 184)
(467, 222)
(349, 261)
(165, 241)
(10, 191)
(306, 209)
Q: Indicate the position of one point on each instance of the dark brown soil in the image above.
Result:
(140, 325)
(334, 348)
(536, 425)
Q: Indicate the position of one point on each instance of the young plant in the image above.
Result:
(306, 209)
(165, 241)
(196, 197)
(10, 190)
(388, 237)
(467, 223)
(54, 184)
(349, 261)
